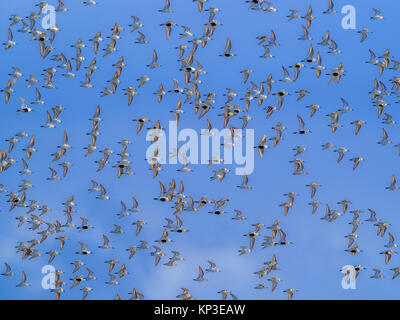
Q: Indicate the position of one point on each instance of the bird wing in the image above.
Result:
(228, 45)
(301, 122)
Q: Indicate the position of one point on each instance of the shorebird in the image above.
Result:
(10, 43)
(305, 36)
(245, 184)
(385, 138)
(301, 130)
(341, 151)
(377, 15)
(391, 243)
(313, 186)
(23, 282)
(8, 271)
(239, 215)
(286, 76)
(168, 27)
(84, 250)
(396, 272)
(103, 195)
(275, 281)
(290, 293)
(354, 249)
(262, 146)
(351, 238)
(358, 124)
(330, 9)
(388, 255)
(377, 274)
(30, 148)
(141, 39)
(136, 24)
(382, 227)
(157, 254)
(393, 185)
(166, 8)
(213, 267)
(356, 161)
(319, 67)
(244, 250)
(86, 290)
(200, 276)
(293, 15)
(88, 3)
(227, 53)
(314, 205)
(364, 34)
(372, 217)
(308, 17)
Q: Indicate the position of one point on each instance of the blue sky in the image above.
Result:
(312, 263)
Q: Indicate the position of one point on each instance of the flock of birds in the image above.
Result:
(60, 232)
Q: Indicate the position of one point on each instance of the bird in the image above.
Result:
(385, 138)
(86, 289)
(341, 151)
(377, 274)
(154, 63)
(168, 27)
(88, 3)
(396, 272)
(286, 76)
(166, 8)
(24, 106)
(244, 184)
(372, 217)
(356, 161)
(213, 267)
(377, 15)
(96, 41)
(160, 93)
(23, 282)
(30, 148)
(262, 146)
(157, 254)
(8, 271)
(301, 130)
(246, 73)
(364, 34)
(239, 215)
(302, 93)
(354, 249)
(136, 24)
(293, 15)
(10, 43)
(106, 243)
(53, 176)
(309, 17)
(393, 185)
(388, 255)
(358, 124)
(351, 238)
(228, 46)
(103, 195)
(275, 281)
(290, 293)
(319, 67)
(330, 9)
(200, 277)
